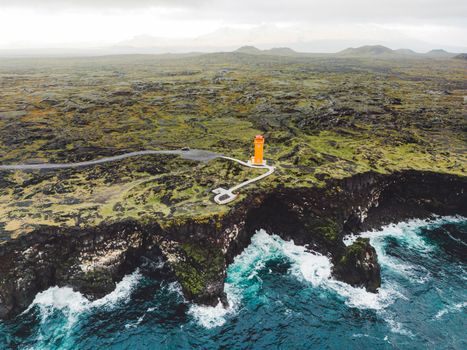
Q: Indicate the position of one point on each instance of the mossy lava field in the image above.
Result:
(322, 117)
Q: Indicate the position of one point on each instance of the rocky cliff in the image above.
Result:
(197, 251)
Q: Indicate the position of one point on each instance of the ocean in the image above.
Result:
(281, 297)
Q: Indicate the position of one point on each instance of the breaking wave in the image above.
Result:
(61, 309)
(72, 303)
(280, 295)
(315, 269)
(406, 234)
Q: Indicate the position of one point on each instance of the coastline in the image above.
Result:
(198, 251)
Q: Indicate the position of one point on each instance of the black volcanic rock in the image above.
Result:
(359, 266)
(197, 253)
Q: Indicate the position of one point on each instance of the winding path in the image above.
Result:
(192, 154)
(223, 196)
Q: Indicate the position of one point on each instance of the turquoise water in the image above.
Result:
(281, 296)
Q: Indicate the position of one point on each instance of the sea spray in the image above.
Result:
(72, 303)
(215, 316)
(406, 233)
(121, 293)
(307, 266)
(61, 309)
(451, 308)
(281, 295)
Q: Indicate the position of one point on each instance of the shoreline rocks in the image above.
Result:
(197, 251)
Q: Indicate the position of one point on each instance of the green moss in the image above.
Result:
(326, 228)
(202, 265)
(193, 281)
(322, 118)
(355, 250)
(97, 278)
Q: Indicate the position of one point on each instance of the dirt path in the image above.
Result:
(223, 196)
(192, 154)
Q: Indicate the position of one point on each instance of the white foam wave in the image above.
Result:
(134, 324)
(239, 275)
(72, 303)
(315, 269)
(175, 287)
(397, 327)
(406, 233)
(238, 284)
(456, 239)
(452, 308)
(310, 267)
(121, 292)
(65, 299)
(216, 316)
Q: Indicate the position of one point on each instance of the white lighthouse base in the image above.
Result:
(251, 162)
(224, 196)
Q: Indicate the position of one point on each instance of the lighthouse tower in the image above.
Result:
(257, 159)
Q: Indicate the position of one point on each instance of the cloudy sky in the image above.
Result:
(178, 25)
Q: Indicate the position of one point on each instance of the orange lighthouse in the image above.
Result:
(259, 145)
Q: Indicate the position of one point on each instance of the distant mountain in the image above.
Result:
(386, 52)
(367, 50)
(281, 51)
(440, 53)
(251, 50)
(461, 56)
(275, 51)
(405, 52)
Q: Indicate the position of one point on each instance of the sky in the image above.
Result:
(212, 25)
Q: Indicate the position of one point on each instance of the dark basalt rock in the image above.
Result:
(197, 253)
(359, 266)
